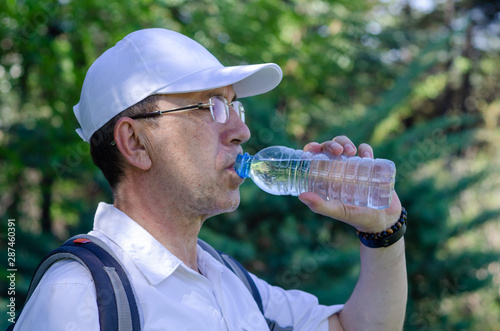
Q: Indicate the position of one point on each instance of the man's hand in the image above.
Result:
(362, 218)
(381, 289)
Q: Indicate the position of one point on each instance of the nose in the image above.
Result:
(238, 131)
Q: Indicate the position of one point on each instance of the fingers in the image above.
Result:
(313, 147)
(365, 150)
(340, 145)
(330, 146)
(347, 145)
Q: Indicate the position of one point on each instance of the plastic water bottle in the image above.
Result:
(354, 180)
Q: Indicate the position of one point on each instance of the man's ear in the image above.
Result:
(130, 140)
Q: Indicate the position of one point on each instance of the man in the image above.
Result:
(168, 174)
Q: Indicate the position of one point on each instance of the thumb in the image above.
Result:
(331, 208)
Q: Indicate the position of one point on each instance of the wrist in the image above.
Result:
(387, 237)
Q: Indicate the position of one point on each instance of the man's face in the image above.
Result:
(193, 156)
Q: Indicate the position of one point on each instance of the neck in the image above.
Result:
(173, 227)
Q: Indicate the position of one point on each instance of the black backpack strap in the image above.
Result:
(126, 305)
(115, 298)
(232, 264)
(237, 269)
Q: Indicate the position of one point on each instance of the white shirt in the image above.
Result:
(170, 295)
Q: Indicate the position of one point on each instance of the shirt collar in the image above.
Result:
(152, 259)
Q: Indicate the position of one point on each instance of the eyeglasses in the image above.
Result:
(219, 108)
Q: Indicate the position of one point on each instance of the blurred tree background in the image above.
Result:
(417, 79)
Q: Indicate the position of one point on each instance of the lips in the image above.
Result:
(231, 159)
(230, 168)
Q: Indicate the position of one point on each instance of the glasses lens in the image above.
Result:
(238, 108)
(219, 109)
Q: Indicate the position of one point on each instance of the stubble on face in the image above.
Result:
(191, 162)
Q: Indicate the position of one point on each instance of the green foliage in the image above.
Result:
(421, 86)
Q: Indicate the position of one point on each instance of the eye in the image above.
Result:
(219, 109)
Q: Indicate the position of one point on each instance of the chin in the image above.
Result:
(223, 210)
(231, 203)
(234, 202)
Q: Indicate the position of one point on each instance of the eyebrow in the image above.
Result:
(211, 93)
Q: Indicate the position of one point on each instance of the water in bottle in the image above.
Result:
(354, 180)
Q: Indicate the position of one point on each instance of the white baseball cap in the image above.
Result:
(159, 61)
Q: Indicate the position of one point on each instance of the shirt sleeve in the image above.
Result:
(294, 308)
(65, 300)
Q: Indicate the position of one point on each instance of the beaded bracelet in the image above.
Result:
(388, 237)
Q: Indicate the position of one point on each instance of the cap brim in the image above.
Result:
(247, 80)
